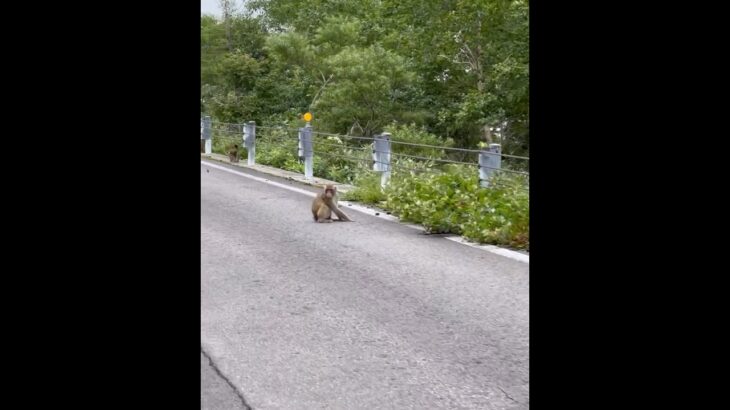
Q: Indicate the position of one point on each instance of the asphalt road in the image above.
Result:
(216, 393)
(364, 315)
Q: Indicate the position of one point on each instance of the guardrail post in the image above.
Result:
(381, 156)
(490, 161)
(306, 133)
(249, 140)
(207, 136)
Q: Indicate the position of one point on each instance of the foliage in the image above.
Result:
(367, 189)
(412, 134)
(453, 202)
(459, 68)
(276, 148)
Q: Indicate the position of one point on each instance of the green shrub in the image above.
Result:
(453, 202)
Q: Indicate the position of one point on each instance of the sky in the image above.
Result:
(209, 7)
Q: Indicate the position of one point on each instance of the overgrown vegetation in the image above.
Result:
(458, 68)
(453, 202)
(278, 148)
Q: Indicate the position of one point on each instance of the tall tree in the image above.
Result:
(228, 8)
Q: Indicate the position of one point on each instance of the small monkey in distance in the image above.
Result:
(325, 204)
(233, 153)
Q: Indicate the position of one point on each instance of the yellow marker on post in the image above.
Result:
(306, 145)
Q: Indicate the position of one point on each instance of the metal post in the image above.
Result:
(308, 152)
(490, 161)
(249, 140)
(381, 156)
(207, 136)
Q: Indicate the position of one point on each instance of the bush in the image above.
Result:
(367, 189)
(413, 135)
(278, 148)
(453, 202)
(337, 161)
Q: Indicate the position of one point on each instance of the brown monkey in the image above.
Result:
(233, 153)
(325, 203)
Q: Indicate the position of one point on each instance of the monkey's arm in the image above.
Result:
(333, 206)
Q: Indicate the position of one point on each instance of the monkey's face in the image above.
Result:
(330, 191)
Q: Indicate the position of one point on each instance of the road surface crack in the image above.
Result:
(508, 396)
(218, 372)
